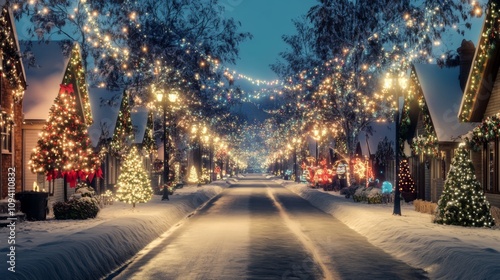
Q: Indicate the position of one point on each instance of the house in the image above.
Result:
(142, 122)
(50, 70)
(110, 132)
(376, 145)
(12, 87)
(481, 103)
(430, 125)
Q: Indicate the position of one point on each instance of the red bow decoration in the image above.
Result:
(67, 88)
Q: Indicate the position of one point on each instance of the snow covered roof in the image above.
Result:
(139, 116)
(443, 96)
(105, 106)
(43, 80)
(380, 130)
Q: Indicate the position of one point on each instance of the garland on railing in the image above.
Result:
(488, 130)
(487, 45)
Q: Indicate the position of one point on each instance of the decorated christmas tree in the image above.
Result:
(463, 201)
(133, 183)
(193, 175)
(406, 183)
(64, 149)
(124, 131)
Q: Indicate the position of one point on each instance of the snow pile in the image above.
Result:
(89, 249)
(445, 252)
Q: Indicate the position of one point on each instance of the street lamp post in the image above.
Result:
(166, 155)
(402, 86)
(295, 167)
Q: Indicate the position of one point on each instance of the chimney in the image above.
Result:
(466, 54)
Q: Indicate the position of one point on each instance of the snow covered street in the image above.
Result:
(259, 230)
(252, 231)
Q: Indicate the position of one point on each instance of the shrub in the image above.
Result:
(370, 195)
(82, 205)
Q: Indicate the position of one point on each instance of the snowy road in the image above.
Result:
(259, 230)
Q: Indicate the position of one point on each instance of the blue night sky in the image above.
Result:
(267, 21)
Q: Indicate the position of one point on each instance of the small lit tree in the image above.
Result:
(133, 183)
(406, 183)
(463, 201)
(193, 175)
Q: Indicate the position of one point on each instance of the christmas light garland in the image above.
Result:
(487, 44)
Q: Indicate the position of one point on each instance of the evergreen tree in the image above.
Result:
(64, 146)
(133, 184)
(406, 183)
(463, 201)
(193, 175)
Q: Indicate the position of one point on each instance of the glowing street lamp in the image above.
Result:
(397, 90)
(172, 97)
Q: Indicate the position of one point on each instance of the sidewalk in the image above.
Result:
(94, 247)
(445, 252)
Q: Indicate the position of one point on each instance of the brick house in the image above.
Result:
(481, 103)
(12, 86)
(431, 126)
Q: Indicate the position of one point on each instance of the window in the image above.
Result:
(6, 134)
(491, 170)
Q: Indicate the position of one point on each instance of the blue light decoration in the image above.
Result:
(386, 187)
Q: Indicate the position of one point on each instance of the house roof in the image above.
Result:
(139, 116)
(443, 96)
(43, 80)
(105, 106)
(482, 75)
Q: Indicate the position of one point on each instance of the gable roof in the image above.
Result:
(139, 117)
(43, 80)
(105, 106)
(443, 95)
(484, 70)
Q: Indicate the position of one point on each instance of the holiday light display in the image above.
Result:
(487, 131)
(134, 185)
(463, 201)
(64, 148)
(193, 175)
(406, 183)
(11, 68)
(428, 143)
(488, 43)
(124, 132)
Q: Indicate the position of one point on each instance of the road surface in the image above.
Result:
(257, 229)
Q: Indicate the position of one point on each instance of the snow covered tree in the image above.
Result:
(463, 201)
(406, 183)
(134, 185)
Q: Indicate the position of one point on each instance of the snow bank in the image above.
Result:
(90, 249)
(445, 252)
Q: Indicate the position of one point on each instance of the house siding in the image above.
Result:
(493, 106)
(13, 158)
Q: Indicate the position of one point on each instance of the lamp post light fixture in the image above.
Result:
(317, 135)
(397, 89)
(172, 97)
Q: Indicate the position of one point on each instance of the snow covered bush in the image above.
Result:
(82, 205)
(370, 195)
(349, 191)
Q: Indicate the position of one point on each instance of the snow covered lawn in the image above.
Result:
(94, 247)
(445, 252)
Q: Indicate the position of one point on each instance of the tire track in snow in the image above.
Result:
(306, 242)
